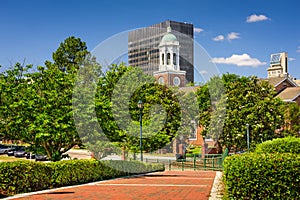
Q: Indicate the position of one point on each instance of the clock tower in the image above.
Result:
(169, 72)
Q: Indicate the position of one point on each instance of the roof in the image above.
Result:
(289, 94)
(169, 37)
(188, 89)
(275, 81)
(297, 82)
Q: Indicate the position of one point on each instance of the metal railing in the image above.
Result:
(211, 162)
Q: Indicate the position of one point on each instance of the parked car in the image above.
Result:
(28, 154)
(40, 157)
(13, 149)
(20, 152)
(241, 152)
(3, 149)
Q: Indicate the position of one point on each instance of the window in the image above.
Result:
(161, 80)
(163, 58)
(193, 130)
(275, 58)
(176, 81)
(174, 58)
(168, 58)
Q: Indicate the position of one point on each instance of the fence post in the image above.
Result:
(169, 165)
(213, 163)
(204, 163)
(194, 162)
(182, 166)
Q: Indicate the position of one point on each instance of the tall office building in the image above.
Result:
(143, 47)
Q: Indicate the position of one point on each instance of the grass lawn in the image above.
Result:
(5, 158)
(195, 150)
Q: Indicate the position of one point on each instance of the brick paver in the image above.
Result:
(173, 185)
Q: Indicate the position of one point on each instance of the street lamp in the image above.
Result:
(141, 107)
(248, 137)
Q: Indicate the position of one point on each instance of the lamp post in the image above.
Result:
(141, 107)
(248, 137)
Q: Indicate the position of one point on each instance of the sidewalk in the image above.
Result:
(168, 185)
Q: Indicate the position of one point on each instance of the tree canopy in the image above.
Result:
(247, 100)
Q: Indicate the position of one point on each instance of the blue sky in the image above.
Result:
(240, 33)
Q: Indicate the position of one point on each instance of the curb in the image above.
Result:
(215, 193)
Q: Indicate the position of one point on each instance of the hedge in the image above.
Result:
(262, 176)
(25, 176)
(280, 145)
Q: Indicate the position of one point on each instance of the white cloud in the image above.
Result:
(239, 60)
(219, 38)
(298, 50)
(256, 18)
(233, 36)
(198, 30)
(203, 72)
(292, 59)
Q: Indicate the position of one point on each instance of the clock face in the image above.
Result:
(176, 81)
(161, 80)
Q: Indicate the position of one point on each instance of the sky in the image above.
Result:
(239, 35)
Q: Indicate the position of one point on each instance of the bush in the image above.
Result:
(262, 176)
(25, 176)
(280, 145)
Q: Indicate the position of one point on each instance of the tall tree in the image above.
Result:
(13, 85)
(246, 100)
(37, 107)
(117, 94)
(70, 54)
(292, 119)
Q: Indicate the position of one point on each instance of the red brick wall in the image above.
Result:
(298, 100)
(283, 85)
(168, 78)
(199, 140)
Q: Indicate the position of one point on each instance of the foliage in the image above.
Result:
(292, 119)
(280, 145)
(25, 176)
(36, 108)
(116, 99)
(70, 54)
(246, 100)
(189, 113)
(13, 87)
(262, 176)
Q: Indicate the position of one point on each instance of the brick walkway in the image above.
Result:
(173, 185)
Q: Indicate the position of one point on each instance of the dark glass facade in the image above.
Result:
(143, 47)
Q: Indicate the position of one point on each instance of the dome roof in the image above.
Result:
(169, 37)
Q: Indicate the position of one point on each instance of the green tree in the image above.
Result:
(117, 94)
(37, 107)
(50, 99)
(13, 88)
(246, 100)
(292, 119)
(70, 54)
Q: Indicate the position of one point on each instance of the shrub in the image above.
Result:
(262, 176)
(280, 145)
(25, 176)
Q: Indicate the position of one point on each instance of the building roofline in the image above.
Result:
(286, 78)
